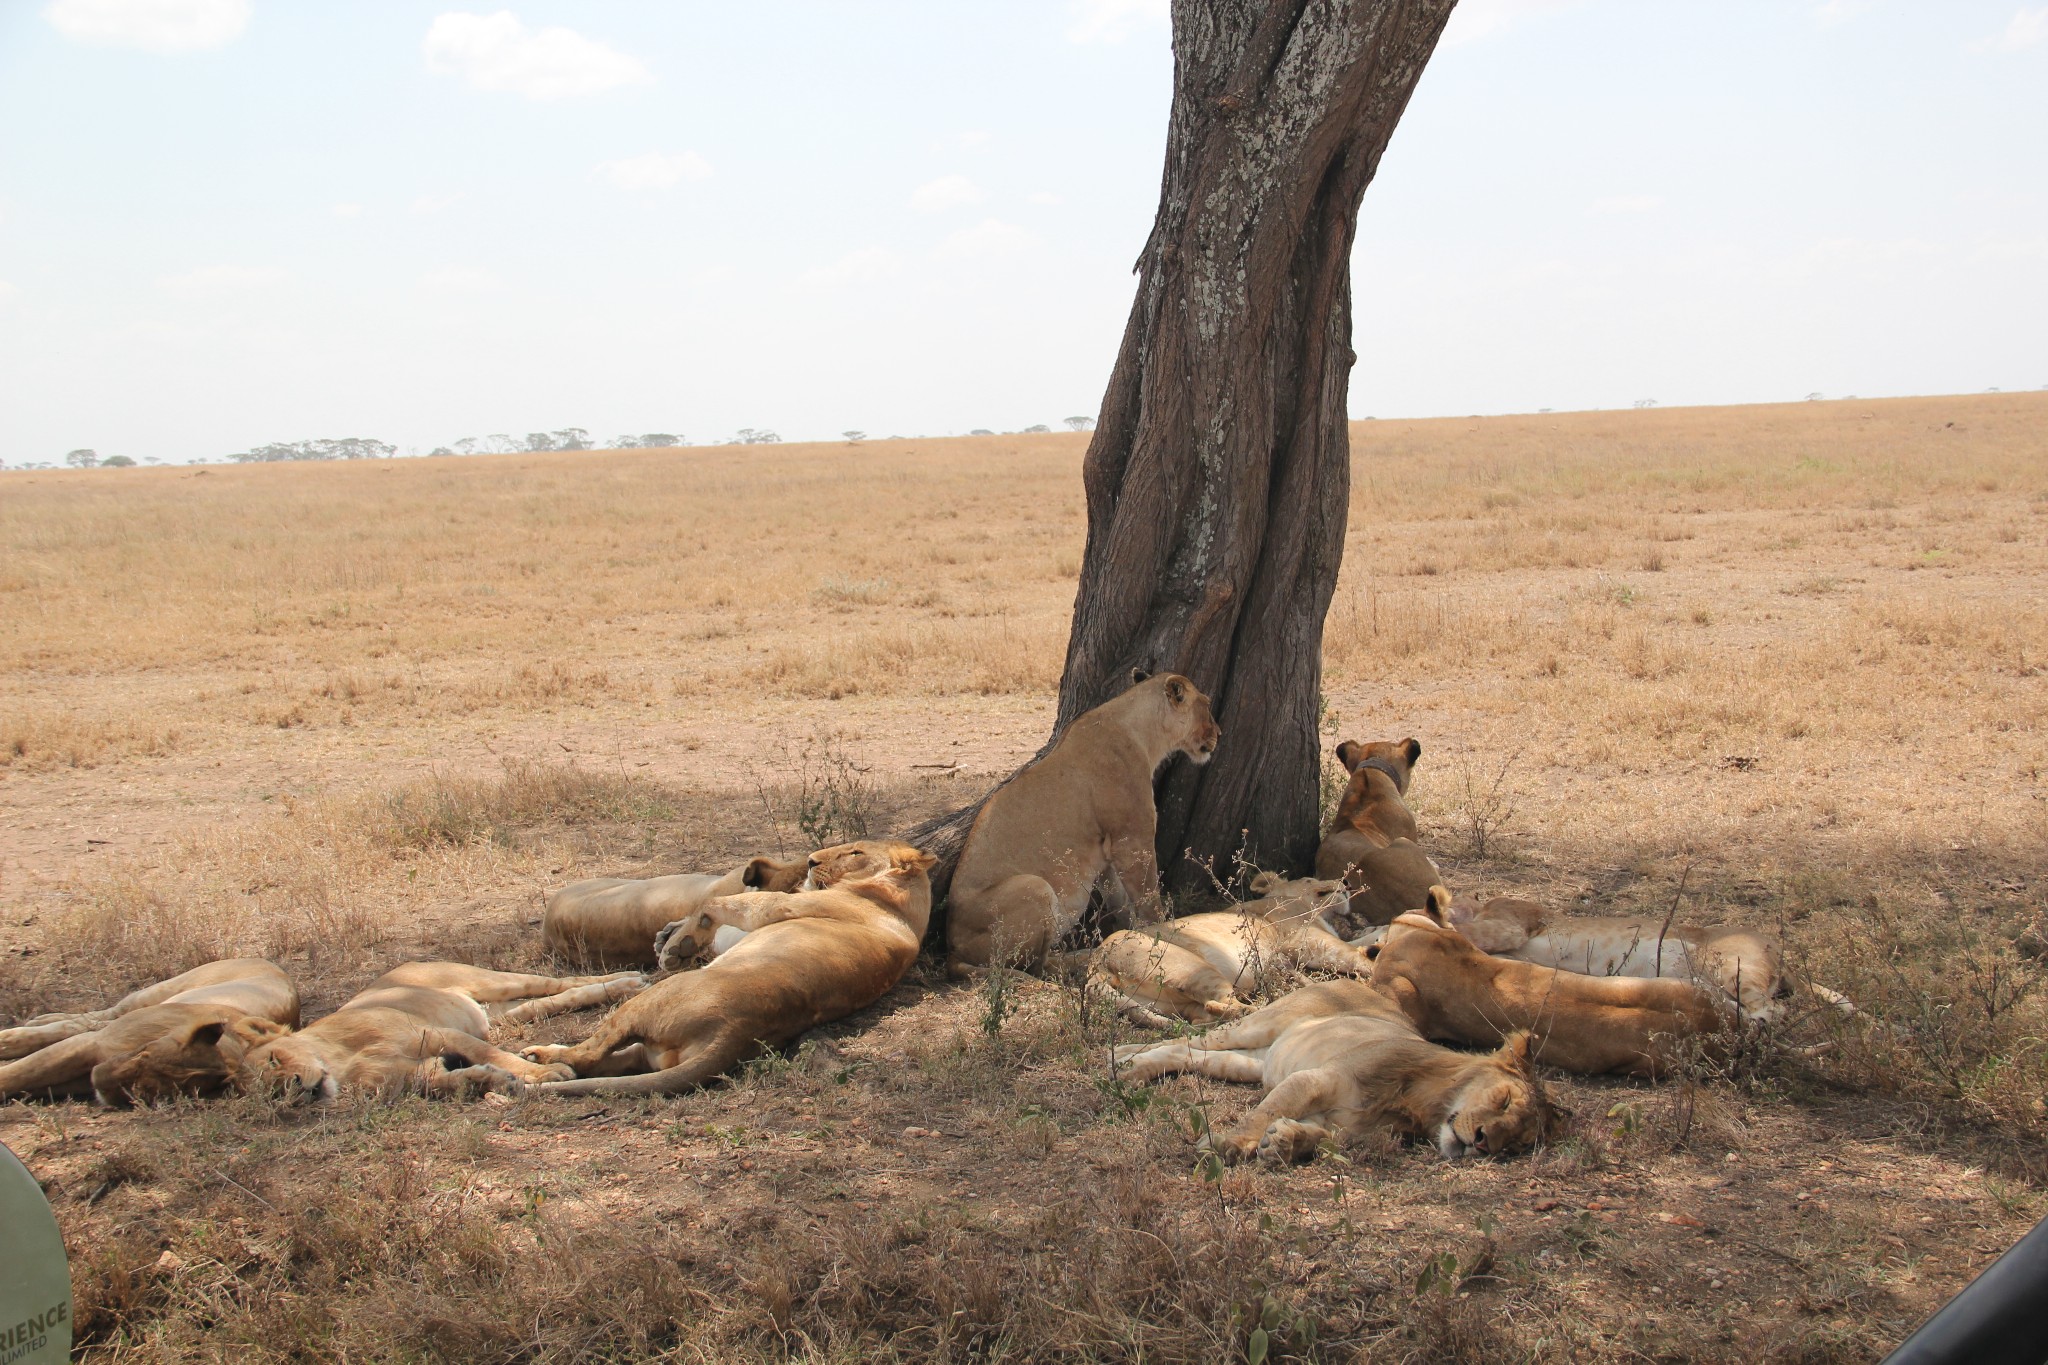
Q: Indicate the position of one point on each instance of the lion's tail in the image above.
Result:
(700, 1064)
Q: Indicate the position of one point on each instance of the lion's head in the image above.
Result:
(766, 874)
(278, 1060)
(1307, 897)
(1187, 714)
(848, 863)
(1500, 1108)
(1396, 760)
(184, 1059)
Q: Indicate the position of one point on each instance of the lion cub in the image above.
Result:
(159, 1041)
(1371, 840)
(612, 921)
(1589, 1024)
(808, 957)
(1044, 839)
(422, 1027)
(1190, 968)
(1339, 1059)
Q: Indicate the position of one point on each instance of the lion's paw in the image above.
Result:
(677, 945)
(1289, 1142)
(1236, 1149)
(544, 1054)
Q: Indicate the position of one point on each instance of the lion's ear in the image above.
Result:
(1345, 751)
(1438, 907)
(1138, 675)
(757, 871)
(206, 1035)
(1265, 882)
(253, 1032)
(1412, 748)
(1177, 691)
(916, 860)
(1519, 1052)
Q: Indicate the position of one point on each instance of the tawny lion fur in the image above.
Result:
(808, 957)
(1041, 843)
(1742, 964)
(1192, 968)
(162, 1040)
(612, 921)
(1590, 1024)
(423, 1028)
(1371, 839)
(1339, 1060)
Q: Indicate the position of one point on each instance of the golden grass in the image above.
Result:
(1792, 657)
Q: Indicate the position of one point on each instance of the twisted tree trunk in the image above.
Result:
(1218, 479)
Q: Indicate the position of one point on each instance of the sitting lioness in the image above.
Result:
(419, 1028)
(612, 921)
(1191, 968)
(159, 1041)
(1744, 964)
(1371, 840)
(1339, 1059)
(808, 957)
(1040, 844)
(1589, 1024)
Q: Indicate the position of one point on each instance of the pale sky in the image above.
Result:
(230, 222)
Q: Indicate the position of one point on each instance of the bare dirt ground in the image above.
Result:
(1790, 658)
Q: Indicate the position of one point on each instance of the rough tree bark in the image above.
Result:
(1218, 479)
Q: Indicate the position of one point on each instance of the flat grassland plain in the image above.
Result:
(1780, 665)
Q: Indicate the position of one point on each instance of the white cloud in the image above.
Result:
(1627, 203)
(498, 52)
(856, 267)
(654, 171)
(7, 291)
(434, 203)
(1112, 21)
(1473, 20)
(214, 281)
(348, 210)
(1044, 197)
(947, 192)
(989, 237)
(156, 25)
(1832, 12)
(462, 279)
(2027, 28)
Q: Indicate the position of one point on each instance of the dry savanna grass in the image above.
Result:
(1780, 665)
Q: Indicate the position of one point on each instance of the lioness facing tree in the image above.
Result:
(1040, 844)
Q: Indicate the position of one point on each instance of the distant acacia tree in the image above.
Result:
(756, 436)
(82, 459)
(856, 437)
(1079, 423)
(1035, 430)
(1646, 402)
(341, 448)
(117, 462)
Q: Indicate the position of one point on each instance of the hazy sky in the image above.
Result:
(230, 222)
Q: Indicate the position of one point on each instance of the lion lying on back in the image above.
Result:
(1743, 963)
(163, 1040)
(1590, 1024)
(423, 1027)
(808, 958)
(612, 921)
(1042, 842)
(1191, 968)
(1338, 1060)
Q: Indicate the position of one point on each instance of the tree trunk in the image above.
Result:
(1218, 479)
